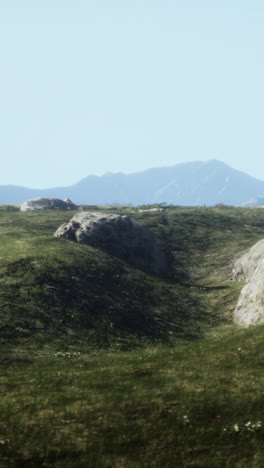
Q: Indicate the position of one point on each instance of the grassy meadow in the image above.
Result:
(106, 366)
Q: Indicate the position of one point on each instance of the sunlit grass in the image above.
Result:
(70, 393)
(188, 405)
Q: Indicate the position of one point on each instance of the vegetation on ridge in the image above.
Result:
(54, 290)
(70, 398)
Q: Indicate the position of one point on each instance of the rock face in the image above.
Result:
(118, 235)
(40, 204)
(245, 267)
(250, 268)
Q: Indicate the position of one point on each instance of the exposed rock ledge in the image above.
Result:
(250, 268)
(40, 204)
(120, 236)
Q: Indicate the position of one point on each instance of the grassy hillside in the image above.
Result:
(197, 404)
(71, 393)
(55, 289)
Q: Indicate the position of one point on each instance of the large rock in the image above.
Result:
(40, 204)
(246, 265)
(250, 268)
(118, 235)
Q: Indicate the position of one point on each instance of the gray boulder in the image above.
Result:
(245, 266)
(250, 268)
(118, 235)
(40, 204)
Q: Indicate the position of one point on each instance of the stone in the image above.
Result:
(245, 266)
(118, 235)
(250, 268)
(41, 204)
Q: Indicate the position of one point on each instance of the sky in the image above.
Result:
(95, 86)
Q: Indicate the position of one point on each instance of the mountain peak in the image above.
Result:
(188, 184)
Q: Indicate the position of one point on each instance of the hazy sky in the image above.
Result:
(91, 86)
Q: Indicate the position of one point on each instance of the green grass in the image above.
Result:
(163, 378)
(52, 288)
(157, 407)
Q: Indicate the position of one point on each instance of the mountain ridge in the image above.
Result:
(187, 184)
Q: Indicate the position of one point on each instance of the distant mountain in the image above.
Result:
(255, 202)
(188, 184)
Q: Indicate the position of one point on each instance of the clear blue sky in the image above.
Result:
(91, 86)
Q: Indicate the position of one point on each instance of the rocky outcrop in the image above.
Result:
(246, 265)
(40, 204)
(118, 235)
(250, 268)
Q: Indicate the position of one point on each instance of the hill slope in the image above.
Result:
(53, 289)
(188, 184)
(196, 402)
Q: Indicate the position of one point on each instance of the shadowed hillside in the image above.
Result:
(189, 394)
(55, 289)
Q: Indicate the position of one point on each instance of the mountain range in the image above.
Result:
(187, 184)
